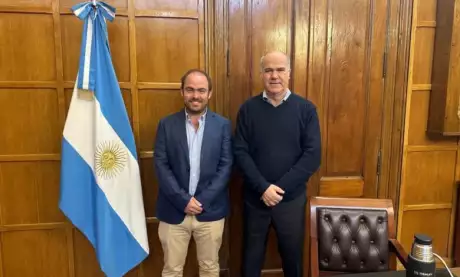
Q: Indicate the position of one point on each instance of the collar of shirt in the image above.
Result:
(265, 97)
(202, 117)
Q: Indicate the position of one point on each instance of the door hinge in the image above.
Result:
(384, 69)
(379, 162)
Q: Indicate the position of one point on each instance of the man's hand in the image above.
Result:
(193, 207)
(273, 195)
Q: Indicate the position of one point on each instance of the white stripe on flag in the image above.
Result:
(79, 10)
(109, 11)
(89, 40)
(85, 128)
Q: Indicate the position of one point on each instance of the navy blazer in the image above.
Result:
(172, 167)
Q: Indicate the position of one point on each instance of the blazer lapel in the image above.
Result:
(182, 131)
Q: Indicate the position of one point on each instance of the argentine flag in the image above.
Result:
(100, 181)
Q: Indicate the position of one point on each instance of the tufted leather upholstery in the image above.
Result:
(352, 240)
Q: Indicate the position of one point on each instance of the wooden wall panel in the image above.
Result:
(439, 221)
(429, 179)
(17, 191)
(152, 44)
(22, 117)
(246, 47)
(167, 5)
(423, 56)
(27, 49)
(337, 51)
(35, 253)
(39, 4)
(154, 105)
(239, 83)
(150, 192)
(65, 5)
(166, 45)
(430, 162)
(273, 32)
(427, 11)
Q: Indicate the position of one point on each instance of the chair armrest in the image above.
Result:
(397, 248)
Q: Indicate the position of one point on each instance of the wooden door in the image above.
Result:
(337, 51)
(346, 81)
(153, 42)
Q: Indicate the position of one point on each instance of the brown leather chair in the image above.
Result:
(352, 235)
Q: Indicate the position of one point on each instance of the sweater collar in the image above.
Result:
(266, 99)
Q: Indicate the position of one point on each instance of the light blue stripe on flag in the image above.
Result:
(101, 190)
(92, 218)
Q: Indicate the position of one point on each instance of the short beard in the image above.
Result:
(192, 112)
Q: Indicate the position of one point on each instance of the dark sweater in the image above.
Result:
(277, 145)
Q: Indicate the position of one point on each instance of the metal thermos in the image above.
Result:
(421, 261)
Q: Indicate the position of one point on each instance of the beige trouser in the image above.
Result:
(175, 241)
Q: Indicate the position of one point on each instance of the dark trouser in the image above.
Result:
(288, 220)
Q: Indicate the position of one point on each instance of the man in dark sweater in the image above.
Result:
(277, 147)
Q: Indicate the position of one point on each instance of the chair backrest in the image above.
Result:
(350, 234)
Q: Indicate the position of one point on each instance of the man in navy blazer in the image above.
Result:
(193, 161)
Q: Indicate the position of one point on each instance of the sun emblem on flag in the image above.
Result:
(110, 159)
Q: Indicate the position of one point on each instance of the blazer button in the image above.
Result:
(188, 169)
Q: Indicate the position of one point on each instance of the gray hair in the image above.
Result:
(263, 57)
